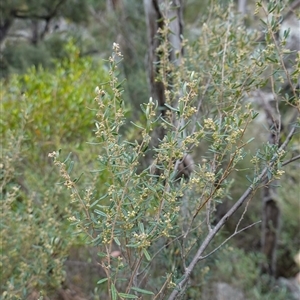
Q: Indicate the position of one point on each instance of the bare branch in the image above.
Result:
(291, 160)
(229, 238)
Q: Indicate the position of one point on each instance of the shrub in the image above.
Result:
(35, 236)
(151, 226)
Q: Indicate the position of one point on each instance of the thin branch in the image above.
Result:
(250, 190)
(163, 287)
(291, 160)
(242, 216)
(229, 238)
(293, 6)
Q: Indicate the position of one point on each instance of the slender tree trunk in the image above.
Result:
(242, 6)
(271, 210)
(4, 28)
(154, 20)
(157, 11)
(270, 228)
(112, 5)
(35, 32)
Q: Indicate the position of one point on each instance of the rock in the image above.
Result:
(224, 291)
(291, 285)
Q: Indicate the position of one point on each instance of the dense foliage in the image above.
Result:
(35, 108)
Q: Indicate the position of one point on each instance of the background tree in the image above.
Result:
(27, 23)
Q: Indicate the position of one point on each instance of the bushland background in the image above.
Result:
(52, 56)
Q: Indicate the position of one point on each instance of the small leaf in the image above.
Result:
(96, 239)
(128, 296)
(142, 291)
(179, 279)
(68, 157)
(172, 19)
(168, 123)
(147, 255)
(70, 168)
(254, 114)
(186, 125)
(77, 179)
(94, 203)
(136, 125)
(269, 174)
(113, 292)
(117, 241)
(133, 245)
(141, 226)
(249, 179)
(171, 107)
(102, 280)
(99, 212)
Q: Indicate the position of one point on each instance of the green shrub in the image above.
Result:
(35, 236)
(151, 227)
(52, 98)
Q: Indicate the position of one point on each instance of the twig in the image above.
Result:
(291, 160)
(229, 238)
(163, 287)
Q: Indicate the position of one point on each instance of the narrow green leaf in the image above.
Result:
(96, 239)
(142, 291)
(172, 19)
(102, 254)
(171, 107)
(147, 255)
(99, 212)
(141, 226)
(102, 280)
(128, 296)
(254, 114)
(77, 179)
(182, 128)
(70, 168)
(136, 125)
(68, 157)
(133, 245)
(94, 203)
(269, 174)
(179, 279)
(249, 179)
(113, 292)
(165, 121)
(117, 241)
(264, 22)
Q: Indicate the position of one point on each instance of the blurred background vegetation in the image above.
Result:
(51, 60)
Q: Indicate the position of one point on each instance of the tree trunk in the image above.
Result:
(270, 211)
(112, 5)
(270, 229)
(242, 6)
(157, 11)
(4, 28)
